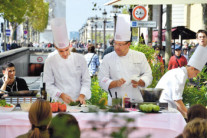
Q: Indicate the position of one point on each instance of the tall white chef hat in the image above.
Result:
(59, 31)
(123, 32)
(199, 58)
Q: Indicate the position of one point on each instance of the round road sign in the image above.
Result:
(139, 13)
(39, 59)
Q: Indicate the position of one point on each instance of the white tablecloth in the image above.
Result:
(158, 125)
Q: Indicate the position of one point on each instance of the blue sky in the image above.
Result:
(77, 12)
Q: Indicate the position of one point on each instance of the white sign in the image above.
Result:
(38, 58)
(143, 24)
(139, 13)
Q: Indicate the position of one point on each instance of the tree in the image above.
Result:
(14, 12)
(204, 16)
(168, 34)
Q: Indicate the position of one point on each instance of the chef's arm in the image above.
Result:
(181, 107)
(146, 73)
(66, 98)
(140, 83)
(116, 83)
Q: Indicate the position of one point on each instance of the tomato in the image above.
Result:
(54, 107)
(62, 107)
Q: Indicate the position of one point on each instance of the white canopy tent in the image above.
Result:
(154, 2)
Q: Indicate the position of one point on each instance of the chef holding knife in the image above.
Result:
(66, 73)
(123, 70)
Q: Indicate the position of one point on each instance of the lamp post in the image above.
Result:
(86, 32)
(115, 11)
(92, 29)
(104, 28)
(96, 19)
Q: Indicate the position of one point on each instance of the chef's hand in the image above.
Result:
(67, 99)
(135, 84)
(117, 83)
(81, 99)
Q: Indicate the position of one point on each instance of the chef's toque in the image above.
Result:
(59, 31)
(199, 58)
(123, 32)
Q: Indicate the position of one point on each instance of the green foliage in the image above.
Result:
(38, 14)
(196, 94)
(96, 92)
(14, 10)
(149, 53)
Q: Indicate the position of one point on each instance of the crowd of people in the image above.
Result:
(9, 46)
(68, 76)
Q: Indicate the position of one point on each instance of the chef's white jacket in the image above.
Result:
(173, 83)
(69, 76)
(115, 67)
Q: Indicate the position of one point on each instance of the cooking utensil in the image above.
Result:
(24, 93)
(110, 93)
(151, 94)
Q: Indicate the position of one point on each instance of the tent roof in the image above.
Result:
(184, 32)
(153, 2)
(176, 31)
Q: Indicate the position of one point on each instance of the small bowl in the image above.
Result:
(151, 94)
(25, 106)
(7, 109)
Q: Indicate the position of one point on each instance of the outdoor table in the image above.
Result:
(158, 125)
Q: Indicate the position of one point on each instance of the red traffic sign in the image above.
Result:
(139, 13)
(39, 59)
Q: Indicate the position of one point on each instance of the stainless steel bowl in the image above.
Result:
(151, 94)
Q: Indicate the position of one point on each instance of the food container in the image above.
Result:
(151, 94)
(7, 109)
(25, 106)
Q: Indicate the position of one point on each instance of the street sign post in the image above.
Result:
(7, 32)
(139, 13)
(143, 24)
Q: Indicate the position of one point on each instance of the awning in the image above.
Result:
(185, 33)
(153, 2)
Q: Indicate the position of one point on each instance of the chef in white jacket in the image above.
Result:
(173, 82)
(66, 73)
(123, 70)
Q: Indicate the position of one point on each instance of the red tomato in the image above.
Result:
(62, 107)
(54, 107)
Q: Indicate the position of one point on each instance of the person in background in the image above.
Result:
(110, 48)
(177, 60)
(123, 70)
(196, 128)
(173, 47)
(66, 73)
(173, 82)
(40, 115)
(73, 49)
(196, 111)
(92, 61)
(158, 58)
(9, 81)
(201, 37)
(8, 46)
(64, 126)
(14, 45)
(185, 53)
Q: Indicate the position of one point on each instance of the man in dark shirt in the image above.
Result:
(109, 49)
(9, 81)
